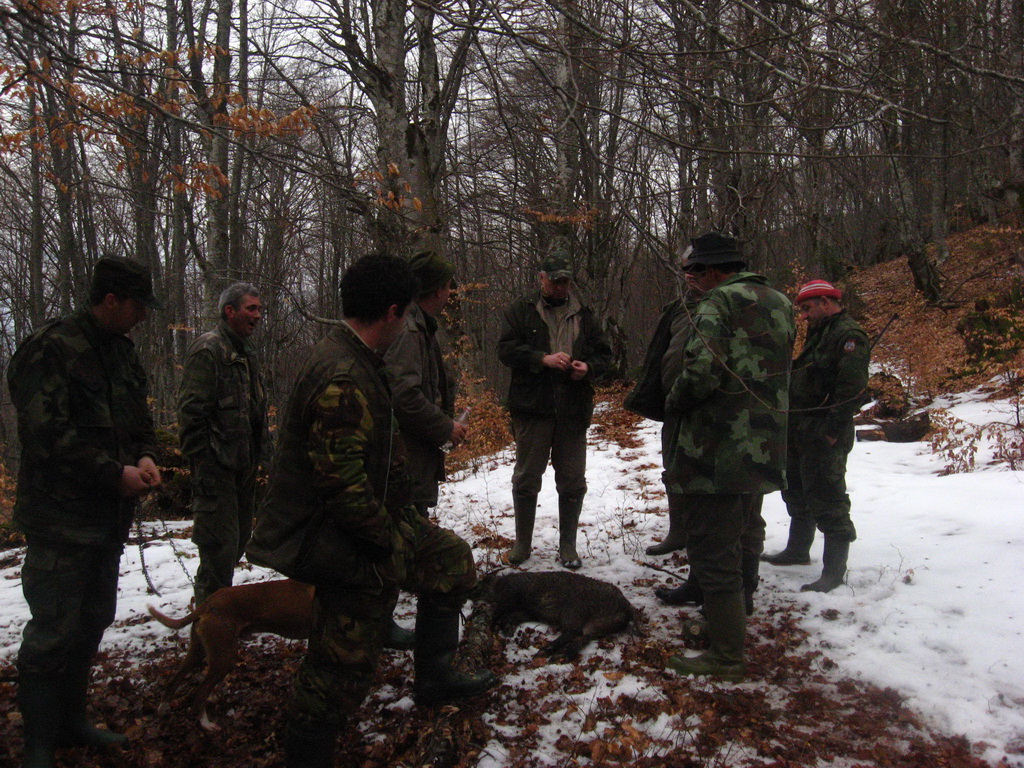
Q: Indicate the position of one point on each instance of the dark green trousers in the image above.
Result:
(816, 472)
(222, 511)
(720, 528)
(71, 591)
(554, 439)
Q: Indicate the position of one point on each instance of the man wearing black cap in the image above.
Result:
(731, 399)
(87, 453)
(423, 391)
(555, 348)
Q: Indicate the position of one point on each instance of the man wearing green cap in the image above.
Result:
(423, 390)
(555, 348)
(88, 451)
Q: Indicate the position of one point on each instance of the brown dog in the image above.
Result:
(283, 607)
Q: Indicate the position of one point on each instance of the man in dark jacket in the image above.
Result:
(337, 514)
(423, 390)
(830, 377)
(732, 399)
(88, 451)
(222, 418)
(555, 348)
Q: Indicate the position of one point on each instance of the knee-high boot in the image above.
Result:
(569, 508)
(675, 539)
(834, 572)
(525, 506)
(437, 640)
(798, 547)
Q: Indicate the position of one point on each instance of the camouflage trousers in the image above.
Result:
(816, 472)
(222, 512)
(71, 591)
(350, 622)
(720, 530)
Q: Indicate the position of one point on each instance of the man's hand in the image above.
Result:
(150, 471)
(459, 433)
(557, 360)
(134, 482)
(579, 370)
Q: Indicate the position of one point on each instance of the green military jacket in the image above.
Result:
(664, 358)
(222, 404)
(538, 392)
(424, 399)
(338, 493)
(81, 399)
(830, 377)
(732, 394)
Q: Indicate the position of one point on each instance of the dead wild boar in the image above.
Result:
(582, 608)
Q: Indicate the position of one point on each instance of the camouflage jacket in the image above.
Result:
(732, 395)
(222, 404)
(830, 376)
(338, 494)
(424, 398)
(538, 392)
(81, 399)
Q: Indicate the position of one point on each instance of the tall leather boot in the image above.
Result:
(437, 639)
(751, 566)
(834, 573)
(525, 506)
(798, 548)
(727, 623)
(41, 701)
(676, 538)
(309, 748)
(569, 508)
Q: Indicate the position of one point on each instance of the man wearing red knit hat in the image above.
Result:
(826, 390)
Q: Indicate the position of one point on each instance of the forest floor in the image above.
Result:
(800, 714)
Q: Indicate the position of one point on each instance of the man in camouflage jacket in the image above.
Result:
(423, 389)
(222, 421)
(830, 377)
(88, 451)
(337, 514)
(732, 399)
(555, 348)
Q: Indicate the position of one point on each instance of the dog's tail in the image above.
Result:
(167, 621)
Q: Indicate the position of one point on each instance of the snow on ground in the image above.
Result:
(934, 606)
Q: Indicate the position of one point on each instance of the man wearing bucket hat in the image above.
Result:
(88, 451)
(731, 398)
(555, 348)
(830, 377)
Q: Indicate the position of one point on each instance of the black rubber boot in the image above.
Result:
(798, 548)
(569, 509)
(676, 538)
(399, 638)
(525, 506)
(41, 701)
(834, 572)
(76, 730)
(437, 639)
(687, 593)
(751, 567)
(309, 748)
(726, 626)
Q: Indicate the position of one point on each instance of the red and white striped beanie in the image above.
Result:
(818, 288)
